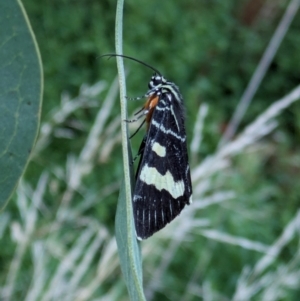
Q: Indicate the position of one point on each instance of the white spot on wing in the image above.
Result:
(151, 176)
(162, 101)
(159, 149)
(139, 238)
(136, 197)
(164, 130)
(173, 113)
(158, 108)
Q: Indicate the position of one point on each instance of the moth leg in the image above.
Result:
(135, 98)
(141, 149)
(137, 129)
(145, 112)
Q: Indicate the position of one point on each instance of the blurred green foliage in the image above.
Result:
(209, 48)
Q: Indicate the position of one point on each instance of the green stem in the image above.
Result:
(123, 101)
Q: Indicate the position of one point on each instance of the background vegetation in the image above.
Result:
(240, 239)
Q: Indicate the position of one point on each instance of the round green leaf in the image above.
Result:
(20, 94)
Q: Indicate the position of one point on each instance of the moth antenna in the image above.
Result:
(133, 59)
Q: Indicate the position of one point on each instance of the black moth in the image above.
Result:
(163, 182)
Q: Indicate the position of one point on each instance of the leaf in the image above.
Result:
(21, 92)
(128, 248)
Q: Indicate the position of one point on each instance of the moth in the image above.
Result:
(163, 184)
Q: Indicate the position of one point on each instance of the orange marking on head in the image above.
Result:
(150, 105)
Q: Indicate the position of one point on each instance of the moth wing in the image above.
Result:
(163, 182)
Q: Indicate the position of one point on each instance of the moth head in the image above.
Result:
(156, 81)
